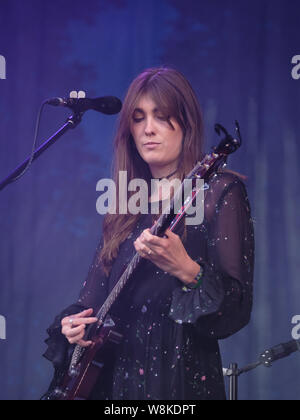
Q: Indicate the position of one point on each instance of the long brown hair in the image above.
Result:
(174, 97)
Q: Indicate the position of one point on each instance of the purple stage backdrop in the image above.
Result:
(242, 57)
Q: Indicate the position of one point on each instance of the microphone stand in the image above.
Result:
(266, 359)
(233, 373)
(72, 122)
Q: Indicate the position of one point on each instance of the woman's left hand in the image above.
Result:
(167, 253)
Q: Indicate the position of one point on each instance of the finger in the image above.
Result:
(142, 249)
(74, 332)
(73, 340)
(153, 240)
(74, 322)
(86, 312)
(77, 338)
(83, 343)
(67, 321)
(66, 330)
(139, 246)
(171, 234)
(85, 321)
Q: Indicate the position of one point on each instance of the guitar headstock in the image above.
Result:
(228, 144)
(218, 157)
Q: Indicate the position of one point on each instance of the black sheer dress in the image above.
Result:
(170, 347)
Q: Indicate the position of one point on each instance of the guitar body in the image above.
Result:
(78, 382)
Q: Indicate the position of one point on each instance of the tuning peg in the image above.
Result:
(219, 128)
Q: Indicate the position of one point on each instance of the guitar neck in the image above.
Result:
(114, 294)
(202, 170)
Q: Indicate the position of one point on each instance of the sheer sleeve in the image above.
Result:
(95, 289)
(92, 295)
(222, 304)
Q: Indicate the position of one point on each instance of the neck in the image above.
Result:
(170, 176)
(165, 172)
(161, 191)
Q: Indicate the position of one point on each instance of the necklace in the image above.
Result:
(168, 176)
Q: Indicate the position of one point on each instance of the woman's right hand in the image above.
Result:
(73, 327)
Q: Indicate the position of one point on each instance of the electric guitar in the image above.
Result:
(87, 363)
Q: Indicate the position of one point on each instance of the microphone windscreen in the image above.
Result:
(107, 105)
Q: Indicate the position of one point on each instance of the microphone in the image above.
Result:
(279, 352)
(107, 104)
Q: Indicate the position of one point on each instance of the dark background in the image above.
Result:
(237, 55)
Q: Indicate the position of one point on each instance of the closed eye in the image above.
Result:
(137, 119)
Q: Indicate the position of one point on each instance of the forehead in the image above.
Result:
(146, 103)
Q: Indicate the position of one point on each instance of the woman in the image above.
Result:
(192, 288)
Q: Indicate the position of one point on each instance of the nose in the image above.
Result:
(149, 129)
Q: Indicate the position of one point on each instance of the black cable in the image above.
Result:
(37, 127)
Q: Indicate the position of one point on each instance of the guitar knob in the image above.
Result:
(58, 393)
(74, 371)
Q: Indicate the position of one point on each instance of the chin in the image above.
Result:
(152, 160)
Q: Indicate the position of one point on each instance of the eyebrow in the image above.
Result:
(154, 110)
